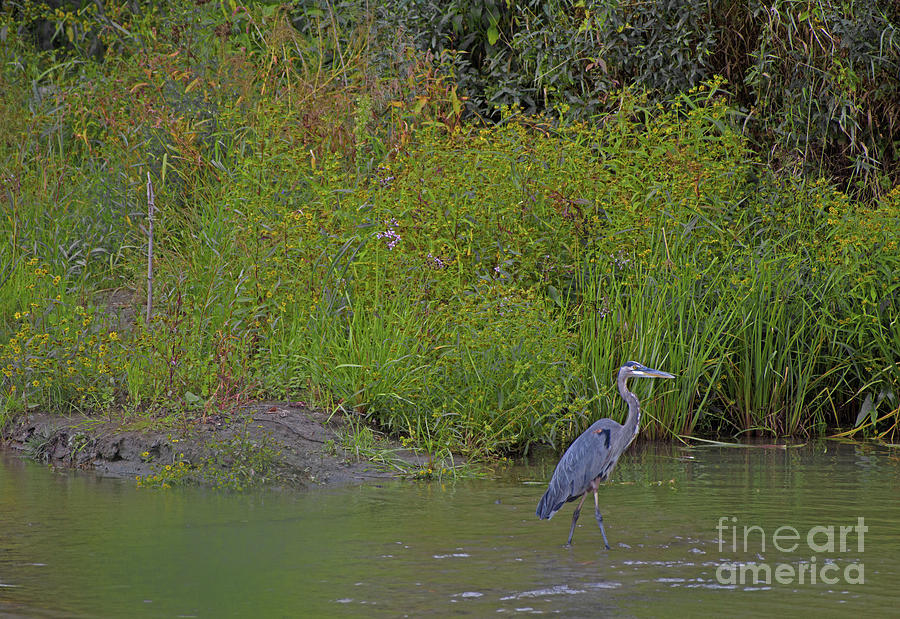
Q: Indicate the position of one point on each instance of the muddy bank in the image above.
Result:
(304, 443)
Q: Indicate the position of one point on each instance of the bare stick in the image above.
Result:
(150, 209)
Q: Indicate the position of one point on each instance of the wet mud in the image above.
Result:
(306, 441)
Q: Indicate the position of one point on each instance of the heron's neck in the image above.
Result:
(634, 408)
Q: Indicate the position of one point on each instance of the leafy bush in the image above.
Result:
(815, 83)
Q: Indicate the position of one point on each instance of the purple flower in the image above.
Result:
(383, 178)
(390, 234)
(436, 262)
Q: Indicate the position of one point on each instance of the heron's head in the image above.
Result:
(637, 370)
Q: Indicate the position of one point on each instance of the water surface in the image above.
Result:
(72, 544)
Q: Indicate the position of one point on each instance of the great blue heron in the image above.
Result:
(591, 457)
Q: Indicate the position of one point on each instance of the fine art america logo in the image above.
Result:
(827, 546)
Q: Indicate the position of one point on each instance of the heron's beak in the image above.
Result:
(651, 373)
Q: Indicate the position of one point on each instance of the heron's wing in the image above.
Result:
(591, 455)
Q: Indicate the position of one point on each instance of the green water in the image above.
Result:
(74, 545)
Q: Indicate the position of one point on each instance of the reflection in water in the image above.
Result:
(76, 545)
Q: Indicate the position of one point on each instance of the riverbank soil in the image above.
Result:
(305, 444)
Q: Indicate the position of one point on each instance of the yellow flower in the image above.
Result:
(113, 336)
(36, 383)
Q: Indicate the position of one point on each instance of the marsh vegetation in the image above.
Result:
(350, 215)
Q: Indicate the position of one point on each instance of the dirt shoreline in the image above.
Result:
(306, 442)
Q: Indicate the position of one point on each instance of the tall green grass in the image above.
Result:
(752, 330)
(671, 317)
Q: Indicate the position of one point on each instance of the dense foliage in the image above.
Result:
(330, 227)
(815, 84)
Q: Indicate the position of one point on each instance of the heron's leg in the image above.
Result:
(575, 518)
(599, 519)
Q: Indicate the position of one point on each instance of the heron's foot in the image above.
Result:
(572, 530)
(599, 518)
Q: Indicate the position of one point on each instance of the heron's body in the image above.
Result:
(591, 457)
(587, 461)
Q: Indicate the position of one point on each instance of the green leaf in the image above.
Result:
(553, 293)
(864, 410)
(493, 34)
